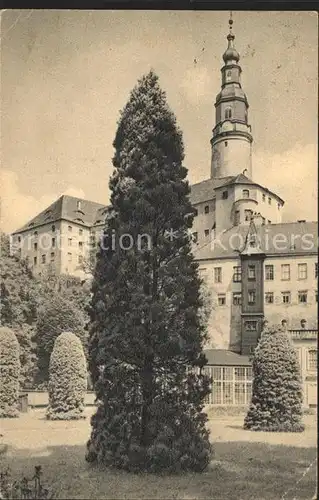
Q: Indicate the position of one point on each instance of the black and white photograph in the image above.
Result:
(159, 254)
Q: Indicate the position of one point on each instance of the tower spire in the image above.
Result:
(231, 140)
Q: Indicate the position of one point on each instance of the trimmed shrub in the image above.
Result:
(68, 379)
(55, 316)
(276, 404)
(9, 373)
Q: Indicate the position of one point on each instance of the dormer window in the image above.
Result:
(79, 205)
(245, 193)
(228, 113)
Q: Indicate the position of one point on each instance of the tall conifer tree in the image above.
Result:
(146, 331)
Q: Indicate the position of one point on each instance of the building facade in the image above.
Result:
(253, 265)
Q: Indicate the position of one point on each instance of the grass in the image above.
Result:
(247, 465)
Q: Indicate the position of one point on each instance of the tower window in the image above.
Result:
(226, 144)
(206, 232)
(225, 195)
(237, 299)
(228, 75)
(251, 297)
(245, 193)
(264, 197)
(53, 228)
(237, 218)
(251, 326)
(248, 215)
(228, 113)
(206, 209)
(251, 272)
(237, 274)
(269, 201)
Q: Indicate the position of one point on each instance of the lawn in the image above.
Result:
(247, 465)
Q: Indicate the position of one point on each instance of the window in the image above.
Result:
(19, 239)
(35, 233)
(228, 113)
(225, 195)
(264, 197)
(69, 242)
(251, 272)
(228, 75)
(269, 201)
(195, 237)
(217, 274)
(285, 272)
(237, 274)
(279, 206)
(263, 221)
(231, 385)
(35, 246)
(53, 228)
(245, 193)
(251, 297)
(269, 221)
(43, 259)
(286, 297)
(53, 242)
(312, 360)
(269, 272)
(237, 299)
(302, 271)
(35, 261)
(248, 215)
(195, 212)
(302, 297)
(269, 297)
(226, 144)
(80, 259)
(81, 245)
(237, 218)
(251, 326)
(70, 229)
(80, 232)
(206, 209)
(206, 232)
(221, 299)
(79, 205)
(52, 256)
(69, 257)
(316, 270)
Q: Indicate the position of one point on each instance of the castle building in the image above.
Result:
(255, 267)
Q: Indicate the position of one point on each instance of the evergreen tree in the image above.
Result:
(9, 373)
(147, 330)
(276, 403)
(68, 379)
(55, 316)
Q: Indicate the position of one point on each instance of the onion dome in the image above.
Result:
(231, 53)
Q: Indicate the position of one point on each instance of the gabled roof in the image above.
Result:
(217, 357)
(289, 238)
(100, 216)
(67, 208)
(243, 179)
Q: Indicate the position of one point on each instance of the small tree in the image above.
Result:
(68, 379)
(9, 373)
(276, 403)
(55, 316)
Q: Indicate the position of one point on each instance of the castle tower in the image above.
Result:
(232, 139)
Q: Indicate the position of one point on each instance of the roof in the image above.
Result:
(288, 238)
(224, 357)
(243, 179)
(68, 208)
(204, 191)
(99, 218)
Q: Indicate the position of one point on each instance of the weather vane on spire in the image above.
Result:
(230, 22)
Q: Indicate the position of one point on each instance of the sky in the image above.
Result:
(65, 76)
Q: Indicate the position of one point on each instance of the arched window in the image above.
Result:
(245, 193)
(228, 113)
(228, 75)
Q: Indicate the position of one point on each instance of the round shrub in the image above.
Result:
(276, 403)
(9, 373)
(67, 379)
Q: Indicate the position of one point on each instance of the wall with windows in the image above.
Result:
(75, 240)
(257, 200)
(223, 279)
(39, 246)
(225, 198)
(307, 353)
(290, 290)
(204, 221)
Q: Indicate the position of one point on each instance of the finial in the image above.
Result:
(230, 22)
